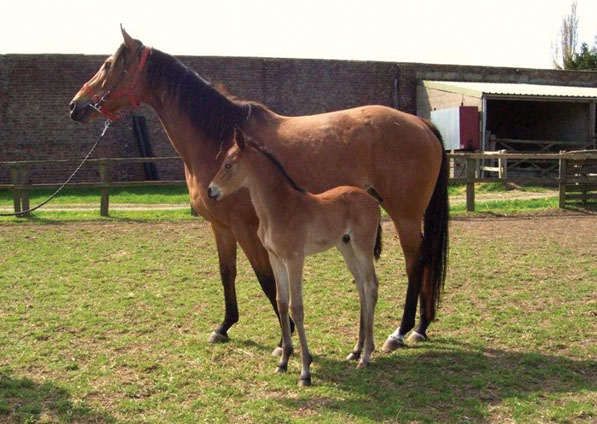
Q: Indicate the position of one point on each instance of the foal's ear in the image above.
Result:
(129, 41)
(239, 139)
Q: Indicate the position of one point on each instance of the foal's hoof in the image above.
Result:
(362, 364)
(277, 351)
(353, 356)
(304, 382)
(217, 338)
(415, 338)
(392, 344)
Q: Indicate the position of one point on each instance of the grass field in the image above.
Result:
(107, 321)
(159, 203)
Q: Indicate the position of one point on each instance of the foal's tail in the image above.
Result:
(378, 244)
(434, 249)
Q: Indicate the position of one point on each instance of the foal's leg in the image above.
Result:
(226, 245)
(295, 279)
(366, 265)
(358, 348)
(352, 264)
(409, 232)
(281, 275)
(260, 262)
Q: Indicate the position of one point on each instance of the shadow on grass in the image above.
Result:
(446, 381)
(23, 401)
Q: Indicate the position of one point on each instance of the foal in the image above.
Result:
(293, 224)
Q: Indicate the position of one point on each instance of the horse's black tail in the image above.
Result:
(378, 243)
(434, 249)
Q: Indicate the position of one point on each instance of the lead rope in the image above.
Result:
(106, 125)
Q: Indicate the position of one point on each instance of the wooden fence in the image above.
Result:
(577, 178)
(20, 185)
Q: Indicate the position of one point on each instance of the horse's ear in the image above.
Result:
(239, 139)
(128, 40)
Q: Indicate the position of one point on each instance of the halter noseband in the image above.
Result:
(98, 100)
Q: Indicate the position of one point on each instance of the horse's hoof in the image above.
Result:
(353, 356)
(392, 344)
(415, 338)
(217, 338)
(277, 351)
(304, 382)
(281, 369)
(362, 364)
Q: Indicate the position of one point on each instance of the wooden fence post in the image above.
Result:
(471, 168)
(16, 193)
(24, 181)
(502, 167)
(562, 181)
(105, 189)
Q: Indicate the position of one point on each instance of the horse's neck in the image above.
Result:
(271, 194)
(197, 151)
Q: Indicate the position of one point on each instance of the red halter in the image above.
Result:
(99, 100)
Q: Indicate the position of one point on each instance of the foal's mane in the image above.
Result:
(209, 110)
(268, 154)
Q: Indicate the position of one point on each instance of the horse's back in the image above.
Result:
(353, 204)
(394, 152)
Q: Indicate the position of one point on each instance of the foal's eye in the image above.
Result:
(228, 166)
(107, 66)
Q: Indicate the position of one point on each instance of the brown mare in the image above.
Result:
(294, 223)
(398, 155)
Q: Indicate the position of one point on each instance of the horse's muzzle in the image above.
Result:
(213, 192)
(80, 111)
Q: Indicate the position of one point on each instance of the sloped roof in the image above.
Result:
(493, 89)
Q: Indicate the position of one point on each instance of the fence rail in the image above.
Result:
(577, 178)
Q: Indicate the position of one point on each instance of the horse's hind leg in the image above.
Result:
(369, 284)
(352, 264)
(360, 264)
(355, 355)
(420, 334)
(409, 232)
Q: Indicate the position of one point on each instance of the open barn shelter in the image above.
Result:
(519, 117)
(511, 117)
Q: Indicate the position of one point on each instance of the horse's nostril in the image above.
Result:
(73, 106)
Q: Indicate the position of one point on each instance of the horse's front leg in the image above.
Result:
(260, 262)
(282, 300)
(294, 267)
(226, 245)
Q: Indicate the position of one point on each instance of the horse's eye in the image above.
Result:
(107, 66)
(228, 166)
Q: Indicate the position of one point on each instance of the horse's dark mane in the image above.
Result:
(268, 154)
(209, 111)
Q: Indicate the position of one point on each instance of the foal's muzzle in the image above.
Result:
(213, 192)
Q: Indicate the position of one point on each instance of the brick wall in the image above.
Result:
(35, 91)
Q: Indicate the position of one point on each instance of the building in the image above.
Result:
(35, 91)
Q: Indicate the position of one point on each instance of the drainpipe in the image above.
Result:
(395, 93)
